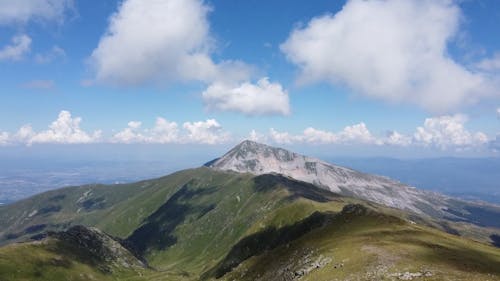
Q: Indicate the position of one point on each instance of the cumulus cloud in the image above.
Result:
(20, 45)
(4, 138)
(396, 139)
(21, 11)
(283, 137)
(131, 134)
(390, 50)
(256, 136)
(443, 132)
(139, 48)
(138, 36)
(355, 134)
(64, 130)
(446, 131)
(250, 99)
(164, 131)
(23, 135)
(207, 132)
(312, 135)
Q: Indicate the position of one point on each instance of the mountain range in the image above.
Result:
(256, 213)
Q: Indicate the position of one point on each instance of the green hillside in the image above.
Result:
(207, 224)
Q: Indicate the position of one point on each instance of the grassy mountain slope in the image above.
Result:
(116, 209)
(363, 244)
(208, 223)
(77, 254)
(359, 243)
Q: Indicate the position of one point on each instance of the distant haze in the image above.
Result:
(468, 178)
(25, 171)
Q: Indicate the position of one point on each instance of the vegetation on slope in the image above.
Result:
(363, 244)
(204, 223)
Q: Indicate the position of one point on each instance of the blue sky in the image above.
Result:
(378, 77)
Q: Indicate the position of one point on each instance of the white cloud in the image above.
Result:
(54, 53)
(312, 135)
(180, 51)
(39, 85)
(391, 50)
(250, 99)
(490, 64)
(19, 47)
(21, 11)
(160, 51)
(64, 130)
(134, 124)
(498, 112)
(207, 132)
(355, 134)
(256, 136)
(4, 138)
(396, 139)
(283, 137)
(130, 134)
(448, 131)
(443, 132)
(24, 135)
(164, 131)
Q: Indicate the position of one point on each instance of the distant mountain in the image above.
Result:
(243, 224)
(255, 158)
(467, 178)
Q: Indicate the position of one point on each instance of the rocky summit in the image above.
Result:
(256, 158)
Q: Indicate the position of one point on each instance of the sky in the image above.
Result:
(377, 77)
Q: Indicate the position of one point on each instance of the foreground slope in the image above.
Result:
(363, 244)
(79, 253)
(303, 240)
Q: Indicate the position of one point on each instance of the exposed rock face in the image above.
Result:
(256, 158)
(98, 247)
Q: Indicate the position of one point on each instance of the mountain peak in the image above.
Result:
(253, 157)
(253, 146)
(257, 158)
(248, 146)
(249, 143)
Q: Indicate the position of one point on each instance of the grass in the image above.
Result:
(372, 247)
(206, 214)
(49, 261)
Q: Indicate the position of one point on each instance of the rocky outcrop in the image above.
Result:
(411, 275)
(96, 247)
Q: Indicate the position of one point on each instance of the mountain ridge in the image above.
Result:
(208, 223)
(256, 158)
